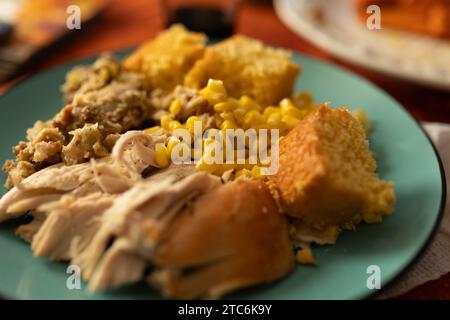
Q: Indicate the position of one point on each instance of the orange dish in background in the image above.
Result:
(427, 17)
(38, 25)
(40, 22)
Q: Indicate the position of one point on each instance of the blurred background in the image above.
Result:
(401, 57)
(34, 35)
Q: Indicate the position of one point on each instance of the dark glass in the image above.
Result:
(216, 18)
(5, 31)
(215, 22)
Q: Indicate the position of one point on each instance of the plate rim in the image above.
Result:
(298, 26)
(443, 198)
(436, 225)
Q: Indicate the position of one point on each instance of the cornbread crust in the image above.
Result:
(167, 58)
(327, 175)
(247, 67)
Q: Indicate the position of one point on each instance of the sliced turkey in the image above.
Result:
(134, 223)
(230, 238)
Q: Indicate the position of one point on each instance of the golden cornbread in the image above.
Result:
(247, 67)
(166, 59)
(327, 175)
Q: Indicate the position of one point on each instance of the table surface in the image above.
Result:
(128, 23)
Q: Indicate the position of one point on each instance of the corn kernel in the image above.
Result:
(214, 92)
(175, 107)
(239, 113)
(227, 116)
(293, 112)
(161, 155)
(190, 123)
(152, 130)
(216, 85)
(227, 124)
(256, 173)
(243, 173)
(253, 118)
(203, 166)
(289, 109)
(165, 120)
(274, 119)
(229, 105)
(290, 122)
(269, 110)
(286, 103)
(249, 103)
(174, 124)
(171, 144)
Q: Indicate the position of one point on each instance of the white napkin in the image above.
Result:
(435, 262)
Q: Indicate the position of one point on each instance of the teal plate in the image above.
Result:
(405, 155)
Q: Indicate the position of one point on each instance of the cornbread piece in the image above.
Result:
(327, 175)
(231, 237)
(166, 59)
(247, 67)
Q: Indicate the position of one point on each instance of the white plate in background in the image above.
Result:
(334, 27)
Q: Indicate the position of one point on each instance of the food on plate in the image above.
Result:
(427, 17)
(221, 111)
(247, 67)
(104, 191)
(166, 59)
(245, 241)
(326, 177)
(89, 125)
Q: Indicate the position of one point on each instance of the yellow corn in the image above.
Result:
(165, 120)
(290, 121)
(293, 112)
(203, 166)
(249, 103)
(171, 144)
(289, 109)
(229, 105)
(190, 123)
(161, 155)
(239, 113)
(227, 116)
(152, 130)
(227, 124)
(253, 118)
(174, 124)
(243, 173)
(274, 119)
(256, 173)
(175, 107)
(214, 92)
(269, 110)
